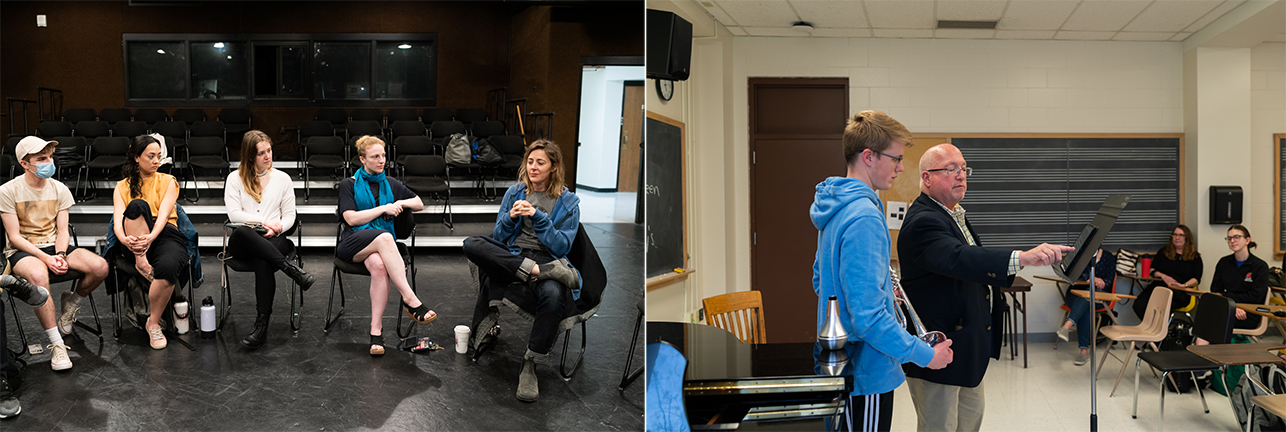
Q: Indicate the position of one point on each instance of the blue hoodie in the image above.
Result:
(852, 264)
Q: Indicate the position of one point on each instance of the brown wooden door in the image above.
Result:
(795, 131)
(631, 138)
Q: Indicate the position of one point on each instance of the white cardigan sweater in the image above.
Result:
(277, 204)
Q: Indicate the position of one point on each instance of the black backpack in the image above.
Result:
(485, 153)
(1178, 338)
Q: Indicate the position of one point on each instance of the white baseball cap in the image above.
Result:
(31, 145)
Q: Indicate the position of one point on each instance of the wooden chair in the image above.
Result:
(741, 313)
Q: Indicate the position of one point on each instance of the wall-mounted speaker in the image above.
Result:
(1225, 204)
(669, 46)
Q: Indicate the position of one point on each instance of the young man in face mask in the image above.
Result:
(33, 207)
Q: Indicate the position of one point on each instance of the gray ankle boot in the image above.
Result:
(528, 388)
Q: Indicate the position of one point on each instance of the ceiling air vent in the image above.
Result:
(987, 25)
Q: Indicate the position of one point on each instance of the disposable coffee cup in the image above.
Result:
(462, 339)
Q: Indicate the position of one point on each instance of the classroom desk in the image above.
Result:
(1141, 282)
(1103, 296)
(1274, 404)
(1240, 354)
(1020, 286)
(1277, 320)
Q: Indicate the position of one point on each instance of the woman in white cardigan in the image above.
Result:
(262, 198)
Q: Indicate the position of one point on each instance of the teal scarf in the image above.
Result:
(362, 195)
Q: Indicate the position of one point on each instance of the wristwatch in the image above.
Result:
(62, 254)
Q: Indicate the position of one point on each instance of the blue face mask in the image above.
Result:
(45, 170)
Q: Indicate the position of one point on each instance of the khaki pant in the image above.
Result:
(941, 407)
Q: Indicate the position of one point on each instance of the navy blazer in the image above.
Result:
(947, 281)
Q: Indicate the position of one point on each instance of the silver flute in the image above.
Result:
(931, 337)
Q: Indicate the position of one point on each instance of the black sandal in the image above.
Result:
(377, 345)
(420, 314)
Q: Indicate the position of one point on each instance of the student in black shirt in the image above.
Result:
(1241, 276)
(1178, 264)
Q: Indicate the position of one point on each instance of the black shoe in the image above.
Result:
(260, 333)
(297, 274)
(26, 291)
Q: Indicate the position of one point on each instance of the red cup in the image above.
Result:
(1145, 267)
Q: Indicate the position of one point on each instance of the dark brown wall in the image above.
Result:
(547, 47)
(535, 50)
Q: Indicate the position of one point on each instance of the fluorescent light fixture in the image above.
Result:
(986, 25)
(218, 45)
(160, 51)
(229, 57)
(404, 46)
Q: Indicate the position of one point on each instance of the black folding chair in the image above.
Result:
(404, 229)
(231, 262)
(427, 176)
(1213, 322)
(73, 276)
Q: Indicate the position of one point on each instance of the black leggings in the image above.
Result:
(168, 253)
(265, 256)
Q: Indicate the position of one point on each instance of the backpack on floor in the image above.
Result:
(1275, 379)
(1177, 338)
(458, 151)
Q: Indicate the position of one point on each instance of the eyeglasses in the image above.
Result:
(1234, 237)
(896, 159)
(953, 171)
(1177, 235)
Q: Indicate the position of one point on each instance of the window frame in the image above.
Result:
(309, 40)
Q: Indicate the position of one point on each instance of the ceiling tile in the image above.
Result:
(964, 33)
(760, 13)
(835, 14)
(1103, 15)
(900, 14)
(842, 32)
(1142, 36)
(738, 31)
(717, 12)
(1084, 35)
(903, 33)
(1025, 34)
(1213, 15)
(1180, 36)
(1278, 38)
(1036, 15)
(970, 10)
(774, 31)
(1171, 16)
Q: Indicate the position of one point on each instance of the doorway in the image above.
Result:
(610, 140)
(796, 126)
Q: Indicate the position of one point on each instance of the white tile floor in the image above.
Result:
(1052, 394)
(609, 207)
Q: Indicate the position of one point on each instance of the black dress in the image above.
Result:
(353, 241)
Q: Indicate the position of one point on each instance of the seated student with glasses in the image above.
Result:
(368, 202)
(34, 207)
(258, 193)
(1241, 276)
(145, 220)
(1177, 264)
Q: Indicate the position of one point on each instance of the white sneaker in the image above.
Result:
(60, 360)
(67, 321)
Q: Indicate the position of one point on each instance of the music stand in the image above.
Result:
(1070, 268)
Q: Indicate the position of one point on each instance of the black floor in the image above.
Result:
(327, 381)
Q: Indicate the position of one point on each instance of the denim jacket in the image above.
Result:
(187, 230)
(556, 230)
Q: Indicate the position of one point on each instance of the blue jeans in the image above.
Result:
(1082, 315)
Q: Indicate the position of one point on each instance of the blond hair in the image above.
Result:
(365, 142)
(555, 183)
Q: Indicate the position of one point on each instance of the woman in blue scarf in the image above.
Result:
(367, 235)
